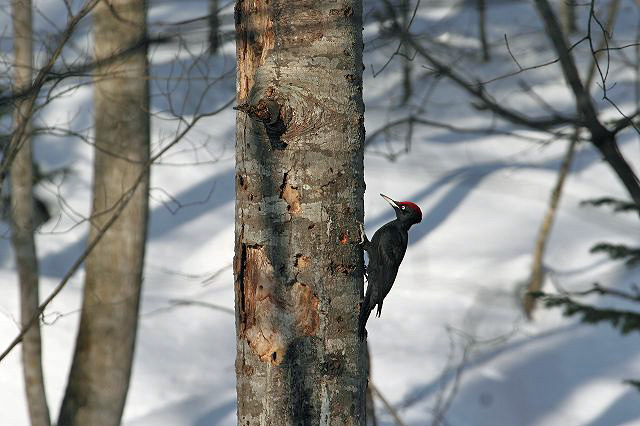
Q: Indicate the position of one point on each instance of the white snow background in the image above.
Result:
(451, 329)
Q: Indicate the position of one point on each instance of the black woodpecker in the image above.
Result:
(386, 250)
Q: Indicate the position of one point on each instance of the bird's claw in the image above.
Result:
(363, 236)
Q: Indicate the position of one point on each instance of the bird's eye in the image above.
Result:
(403, 207)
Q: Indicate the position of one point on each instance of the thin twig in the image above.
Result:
(607, 291)
(396, 418)
(40, 79)
(187, 302)
(506, 40)
(119, 207)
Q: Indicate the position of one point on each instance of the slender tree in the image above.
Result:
(99, 377)
(214, 27)
(537, 269)
(407, 63)
(299, 197)
(481, 6)
(22, 220)
(568, 16)
(603, 138)
(27, 95)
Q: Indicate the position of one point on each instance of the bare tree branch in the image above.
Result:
(537, 270)
(601, 137)
(117, 209)
(476, 90)
(13, 146)
(396, 418)
(608, 291)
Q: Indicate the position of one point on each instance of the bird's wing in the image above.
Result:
(390, 252)
(391, 248)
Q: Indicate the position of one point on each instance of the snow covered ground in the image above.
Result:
(452, 330)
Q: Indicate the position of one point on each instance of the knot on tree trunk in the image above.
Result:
(269, 112)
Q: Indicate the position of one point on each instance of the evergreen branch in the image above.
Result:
(618, 205)
(625, 321)
(606, 291)
(618, 252)
(634, 383)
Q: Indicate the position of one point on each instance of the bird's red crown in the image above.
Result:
(412, 206)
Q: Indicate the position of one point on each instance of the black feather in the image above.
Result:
(386, 251)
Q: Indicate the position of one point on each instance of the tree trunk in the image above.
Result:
(602, 138)
(299, 196)
(537, 269)
(482, 29)
(568, 16)
(22, 222)
(214, 27)
(99, 377)
(407, 63)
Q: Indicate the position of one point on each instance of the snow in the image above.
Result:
(455, 298)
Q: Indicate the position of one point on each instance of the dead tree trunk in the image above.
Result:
(299, 197)
(99, 377)
(22, 221)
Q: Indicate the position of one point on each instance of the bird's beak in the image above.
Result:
(390, 201)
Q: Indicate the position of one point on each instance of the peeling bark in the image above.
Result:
(299, 192)
(291, 196)
(274, 318)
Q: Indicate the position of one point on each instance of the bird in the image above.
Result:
(386, 251)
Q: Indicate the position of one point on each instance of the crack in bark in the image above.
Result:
(240, 270)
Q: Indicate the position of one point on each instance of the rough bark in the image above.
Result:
(299, 194)
(99, 377)
(22, 221)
